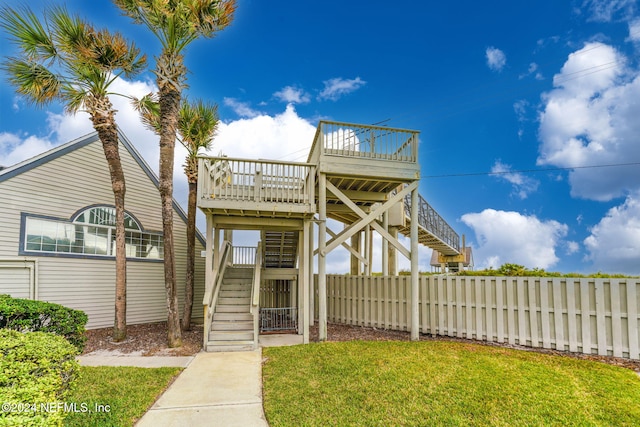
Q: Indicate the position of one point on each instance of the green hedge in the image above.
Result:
(37, 370)
(31, 316)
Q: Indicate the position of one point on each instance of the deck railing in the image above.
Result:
(255, 293)
(433, 222)
(211, 295)
(243, 256)
(375, 142)
(237, 179)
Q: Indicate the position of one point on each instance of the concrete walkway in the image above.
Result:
(215, 389)
(222, 389)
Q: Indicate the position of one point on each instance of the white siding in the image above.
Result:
(61, 187)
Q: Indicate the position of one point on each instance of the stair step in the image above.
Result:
(234, 301)
(237, 280)
(236, 287)
(234, 293)
(231, 336)
(232, 308)
(223, 325)
(233, 317)
(219, 346)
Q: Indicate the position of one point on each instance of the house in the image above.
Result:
(57, 234)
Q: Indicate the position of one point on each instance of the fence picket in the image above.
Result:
(459, 299)
(632, 315)
(511, 303)
(601, 319)
(544, 313)
(522, 327)
(489, 307)
(571, 315)
(585, 317)
(616, 323)
(558, 313)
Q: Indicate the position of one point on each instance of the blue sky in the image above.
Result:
(501, 86)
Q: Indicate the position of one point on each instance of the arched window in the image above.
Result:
(91, 232)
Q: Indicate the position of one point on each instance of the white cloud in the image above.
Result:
(14, 148)
(590, 118)
(284, 136)
(608, 10)
(292, 95)
(242, 109)
(532, 71)
(496, 59)
(510, 237)
(614, 243)
(522, 184)
(634, 30)
(572, 247)
(336, 87)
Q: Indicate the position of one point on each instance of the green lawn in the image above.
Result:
(441, 383)
(125, 394)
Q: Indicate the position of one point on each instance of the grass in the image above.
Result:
(127, 391)
(441, 383)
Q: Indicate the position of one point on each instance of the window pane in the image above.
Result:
(44, 235)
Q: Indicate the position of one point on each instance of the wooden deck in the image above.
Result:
(366, 164)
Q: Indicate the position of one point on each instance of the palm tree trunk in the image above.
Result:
(169, 106)
(191, 257)
(104, 124)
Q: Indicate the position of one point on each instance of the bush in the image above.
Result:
(32, 316)
(37, 370)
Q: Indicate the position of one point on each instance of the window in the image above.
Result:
(91, 232)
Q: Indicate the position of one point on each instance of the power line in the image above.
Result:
(530, 170)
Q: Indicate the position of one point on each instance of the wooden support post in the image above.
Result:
(393, 253)
(312, 286)
(355, 262)
(322, 259)
(216, 247)
(303, 274)
(385, 245)
(367, 250)
(415, 318)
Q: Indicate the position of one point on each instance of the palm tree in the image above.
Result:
(176, 23)
(66, 59)
(197, 125)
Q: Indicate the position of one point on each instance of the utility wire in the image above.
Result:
(530, 170)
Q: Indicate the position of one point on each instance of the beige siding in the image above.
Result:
(592, 316)
(17, 278)
(61, 187)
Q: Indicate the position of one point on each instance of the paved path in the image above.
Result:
(216, 389)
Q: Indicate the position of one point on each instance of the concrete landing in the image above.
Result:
(222, 389)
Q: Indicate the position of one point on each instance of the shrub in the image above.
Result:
(31, 316)
(37, 370)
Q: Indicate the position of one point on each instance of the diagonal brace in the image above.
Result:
(345, 245)
(368, 219)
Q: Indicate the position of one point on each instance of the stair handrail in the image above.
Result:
(212, 294)
(255, 295)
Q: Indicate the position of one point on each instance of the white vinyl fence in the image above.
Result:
(592, 316)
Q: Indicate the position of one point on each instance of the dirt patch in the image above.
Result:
(150, 339)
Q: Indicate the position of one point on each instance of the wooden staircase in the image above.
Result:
(232, 325)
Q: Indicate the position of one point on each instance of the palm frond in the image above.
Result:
(28, 33)
(149, 108)
(32, 80)
(197, 125)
